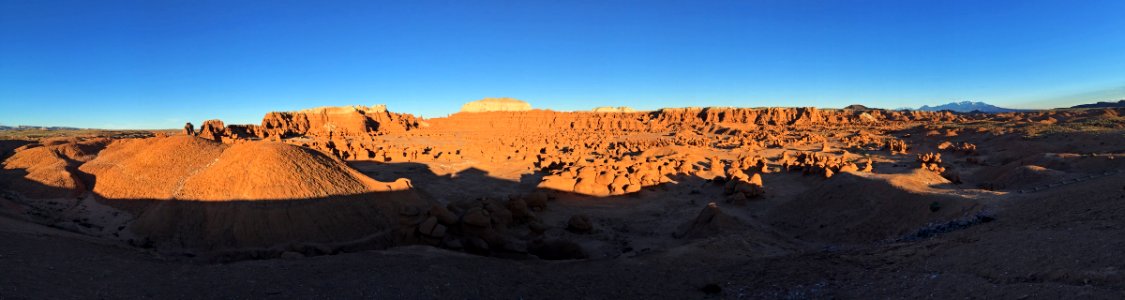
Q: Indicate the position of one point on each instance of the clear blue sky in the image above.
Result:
(158, 64)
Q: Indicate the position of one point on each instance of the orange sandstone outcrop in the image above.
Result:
(896, 146)
(189, 129)
(611, 109)
(336, 121)
(213, 130)
(496, 104)
(931, 161)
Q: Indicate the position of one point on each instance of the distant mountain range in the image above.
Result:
(968, 106)
(1120, 103)
(26, 127)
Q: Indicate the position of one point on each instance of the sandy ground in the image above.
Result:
(1070, 252)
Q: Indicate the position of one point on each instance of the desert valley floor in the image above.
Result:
(504, 201)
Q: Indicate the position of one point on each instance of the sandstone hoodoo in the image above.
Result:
(189, 129)
(213, 130)
(496, 104)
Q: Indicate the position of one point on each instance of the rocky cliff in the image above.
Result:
(496, 104)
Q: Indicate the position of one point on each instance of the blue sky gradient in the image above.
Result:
(158, 64)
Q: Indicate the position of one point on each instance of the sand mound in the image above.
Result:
(248, 195)
(265, 171)
(496, 104)
(711, 221)
(49, 169)
(1026, 176)
(311, 226)
(852, 207)
(153, 168)
(189, 168)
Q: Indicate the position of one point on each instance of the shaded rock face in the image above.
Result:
(710, 221)
(189, 129)
(496, 104)
(556, 250)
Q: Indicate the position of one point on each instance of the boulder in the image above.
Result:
(478, 217)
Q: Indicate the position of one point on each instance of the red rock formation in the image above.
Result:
(338, 121)
(962, 147)
(896, 146)
(213, 130)
(742, 187)
(189, 129)
(495, 104)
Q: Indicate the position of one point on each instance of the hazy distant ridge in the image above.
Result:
(968, 106)
(28, 127)
(1120, 103)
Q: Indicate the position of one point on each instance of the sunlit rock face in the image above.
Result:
(338, 120)
(496, 104)
(611, 109)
